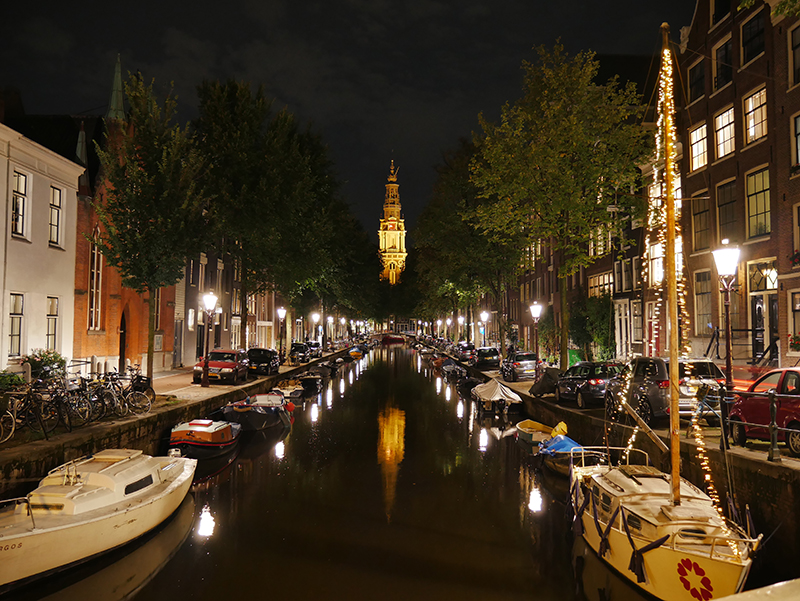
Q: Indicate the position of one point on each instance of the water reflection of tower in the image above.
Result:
(391, 447)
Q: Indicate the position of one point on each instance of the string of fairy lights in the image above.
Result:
(656, 233)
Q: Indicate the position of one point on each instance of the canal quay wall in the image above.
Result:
(25, 464)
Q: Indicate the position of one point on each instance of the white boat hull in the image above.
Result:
(58, 541)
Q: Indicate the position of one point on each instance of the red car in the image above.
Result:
(750, 414)
(223, 365)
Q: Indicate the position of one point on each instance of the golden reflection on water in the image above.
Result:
(391, 448)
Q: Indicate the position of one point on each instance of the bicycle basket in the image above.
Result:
(141, 383)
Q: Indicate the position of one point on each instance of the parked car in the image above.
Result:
(486, 357)
(585, 382)
(464, 351)
(750, 414)
(518, 365)
(299, 353)
(264, 361)
(649, 394)
(314, 348)
(223, 365)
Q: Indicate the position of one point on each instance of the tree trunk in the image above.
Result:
(564, 359)
(243, 309)
(151, 331)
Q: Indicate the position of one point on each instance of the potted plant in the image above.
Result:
(794, 342)
(795, 258)
(42, 360)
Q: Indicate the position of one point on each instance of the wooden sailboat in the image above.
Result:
(658, 530)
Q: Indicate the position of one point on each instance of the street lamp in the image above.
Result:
(448, 321)
(315, 319)
(727, 261)
(485, 320)
(210, 304)
(438, 326)
(460, 325)
(281, 335)
(536, 313)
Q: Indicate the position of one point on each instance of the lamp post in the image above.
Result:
(448, 321)
(536, 313)
(727, 261)
(485, 320)
(210, 305)
(281, 336)
(438, 326)
(460, 325)
(315, 319)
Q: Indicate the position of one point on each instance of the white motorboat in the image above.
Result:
(626, 515)
(86, 507)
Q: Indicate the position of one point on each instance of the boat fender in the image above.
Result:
(636, 564)
(289, 406)
(603, 549)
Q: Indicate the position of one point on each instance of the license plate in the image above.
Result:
(529, 371)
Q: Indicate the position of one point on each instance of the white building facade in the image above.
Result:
(38, 253)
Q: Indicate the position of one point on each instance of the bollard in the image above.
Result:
(774, 454)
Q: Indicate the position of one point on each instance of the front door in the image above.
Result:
(622, 328)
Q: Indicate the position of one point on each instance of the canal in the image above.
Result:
(388, 486)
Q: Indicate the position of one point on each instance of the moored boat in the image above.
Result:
(204, 438)
(356, 353)
(626, 515)
(494, 396)
(555, 453)
(86, 507)
(534, 432)
(259, 411)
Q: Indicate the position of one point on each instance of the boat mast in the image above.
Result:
(668, 108)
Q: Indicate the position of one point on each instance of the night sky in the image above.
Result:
(379, 80)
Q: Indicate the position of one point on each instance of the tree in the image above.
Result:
(790, 8)
(458, 261)
(560, 156)
(152, 208)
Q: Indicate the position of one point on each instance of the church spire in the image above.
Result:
(392, 233)
(116, 110)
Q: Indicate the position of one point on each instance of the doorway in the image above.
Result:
(122, 342)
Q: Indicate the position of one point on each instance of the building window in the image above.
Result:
(719, 10)
(95, 282)
(758, 218)
(600, 284)
(15, 332)
(702, 303)
(753, 38)
(157, 303)
(795, 313)
(700, 221)
(698, 146)
(55, 216)
(638, 322)
(18, 204)
(697, 81)
(723, 133)
(723, 64)
(726, 209)
(796, 140)
(52, 323)
(656, 271)
(762, 276)
(755, 116)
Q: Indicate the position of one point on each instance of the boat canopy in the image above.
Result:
(495, 391)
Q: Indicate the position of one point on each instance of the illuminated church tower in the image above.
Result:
(392, 234)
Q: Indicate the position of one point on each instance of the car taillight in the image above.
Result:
(595, 381)
(721, 381)
(515, 364)
(663, 383)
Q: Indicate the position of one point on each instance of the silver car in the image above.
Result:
(518, 365)
(649, 394)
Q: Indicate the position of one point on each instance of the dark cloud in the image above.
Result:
(378, 79)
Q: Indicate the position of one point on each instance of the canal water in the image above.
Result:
(388, 486)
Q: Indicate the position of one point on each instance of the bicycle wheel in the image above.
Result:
(138, 402)
(42, 414)
(79, 408)
(63, 413)
(114, 404)
(7, 426)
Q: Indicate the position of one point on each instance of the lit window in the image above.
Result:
(656, 255)
(755, 116)
(95, 282)
(698, 145)
(758, 206)
(723, 132)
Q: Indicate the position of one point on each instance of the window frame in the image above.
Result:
(719, 66)
(757, 111)
(698, 147)
(748, 57)
(708, 290)
(793, 56)
(95, 287)
(699, 198)
(696, 86)
(51, 334)
(767, 215)
(728, 185)
(16, 316)
(728, 127)
(19, 203)
(56, 225)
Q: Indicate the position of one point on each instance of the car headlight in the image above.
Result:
(226, 370)
(198, 368)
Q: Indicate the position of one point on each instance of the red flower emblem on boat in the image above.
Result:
(694, 580)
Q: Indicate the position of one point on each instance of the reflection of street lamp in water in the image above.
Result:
(210, 304)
